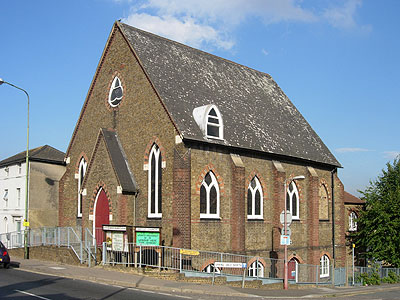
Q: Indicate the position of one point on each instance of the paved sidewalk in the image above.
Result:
(107, 276)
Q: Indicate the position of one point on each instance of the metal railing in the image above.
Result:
(201, 264)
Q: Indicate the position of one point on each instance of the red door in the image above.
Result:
(102, 217)
(292, 268)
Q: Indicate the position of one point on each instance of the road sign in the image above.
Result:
(288, 217)
(285, 239)
(230, 265)
(288, 231)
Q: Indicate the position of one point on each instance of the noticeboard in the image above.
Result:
(145, 238)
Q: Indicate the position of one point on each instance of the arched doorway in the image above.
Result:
(101, 215)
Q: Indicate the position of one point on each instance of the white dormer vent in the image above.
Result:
(209, 119)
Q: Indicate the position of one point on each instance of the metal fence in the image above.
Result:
(381, 271)
(201, 264)
(47, 236)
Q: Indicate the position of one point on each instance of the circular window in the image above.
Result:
(116, 92)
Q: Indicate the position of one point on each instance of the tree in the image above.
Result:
(379, 224)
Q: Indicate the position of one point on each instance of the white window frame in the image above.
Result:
(82, 169)
(324, 266)
(353, 221)
(218, 125)
(18, 197)
(290, 194)
(157, 156)
(214, 183)
(6, 197)
(256, 269)
(208, 269)
(19, 169)
(112, 88)
(253, 199)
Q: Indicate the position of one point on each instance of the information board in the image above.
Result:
(147, 238)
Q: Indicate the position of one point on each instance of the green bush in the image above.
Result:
(391, 278)
(371, 279)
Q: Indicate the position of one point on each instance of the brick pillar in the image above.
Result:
(279, 177)
(181, 204)
(340, 223)
(313, 254)
(238, 213)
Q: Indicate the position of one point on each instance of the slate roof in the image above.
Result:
(119, 161)
(46, 154)
(350, 199)
(256, 113)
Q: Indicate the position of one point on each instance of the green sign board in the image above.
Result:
(148, 238)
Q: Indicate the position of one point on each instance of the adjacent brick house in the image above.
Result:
(199, 146)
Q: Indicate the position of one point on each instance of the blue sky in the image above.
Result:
(337, 60)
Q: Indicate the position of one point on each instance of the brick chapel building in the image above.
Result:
(199, 146)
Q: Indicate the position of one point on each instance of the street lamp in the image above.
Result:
(285, 269)
(26, 223)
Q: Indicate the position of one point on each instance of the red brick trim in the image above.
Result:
(252, 260)
(298, 258)
(260, 178)
(323, 182)
(206, 169)
(207, 263)
(324, 252)
(107, 91)
(100, 185)
(154, 140)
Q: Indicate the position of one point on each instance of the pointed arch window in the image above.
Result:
(214, 126)
(353, 221)
(81, 177)
(155, 183)
(256, 269)
(254, 199)
(323, 203)
(209, 197)
(324, 266)
(116, 92)
(292, 200)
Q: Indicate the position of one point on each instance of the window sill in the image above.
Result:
(210, 218)
(324, 220)
(255, 219)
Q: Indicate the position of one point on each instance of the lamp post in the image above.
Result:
(26, 223)
(285, 225)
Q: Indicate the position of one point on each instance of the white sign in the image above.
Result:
(118, 241)
(288, 231)
(288, 217)
(147, 229)
(285, 239)
(230, 265)
(114, 228)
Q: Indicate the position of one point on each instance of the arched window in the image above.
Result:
(81, 177)
(323, 203)
(155, 183)
(210, 269)
(116, 92)
(254, 200)
(292, 200)
(324, 266)
(214, 128)
(256, 269)
(353, 221)
(209, 197)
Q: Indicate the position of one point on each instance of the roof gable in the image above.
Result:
(46, 154)
(257, 115)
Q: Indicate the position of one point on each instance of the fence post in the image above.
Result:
(68, 237)
(44, 236)
(81, 252)
(59, 236)
(159, 259)
(256, 269)
(316, 275)
(104, 253)
(140, 256)
(180, 262)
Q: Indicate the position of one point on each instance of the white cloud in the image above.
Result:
(391, 154)
(212, 22)
(347, 150)
(185, 31)
(265, 52)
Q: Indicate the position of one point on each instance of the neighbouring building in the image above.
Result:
(46, 166)
(200, 148)
(353, 206)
